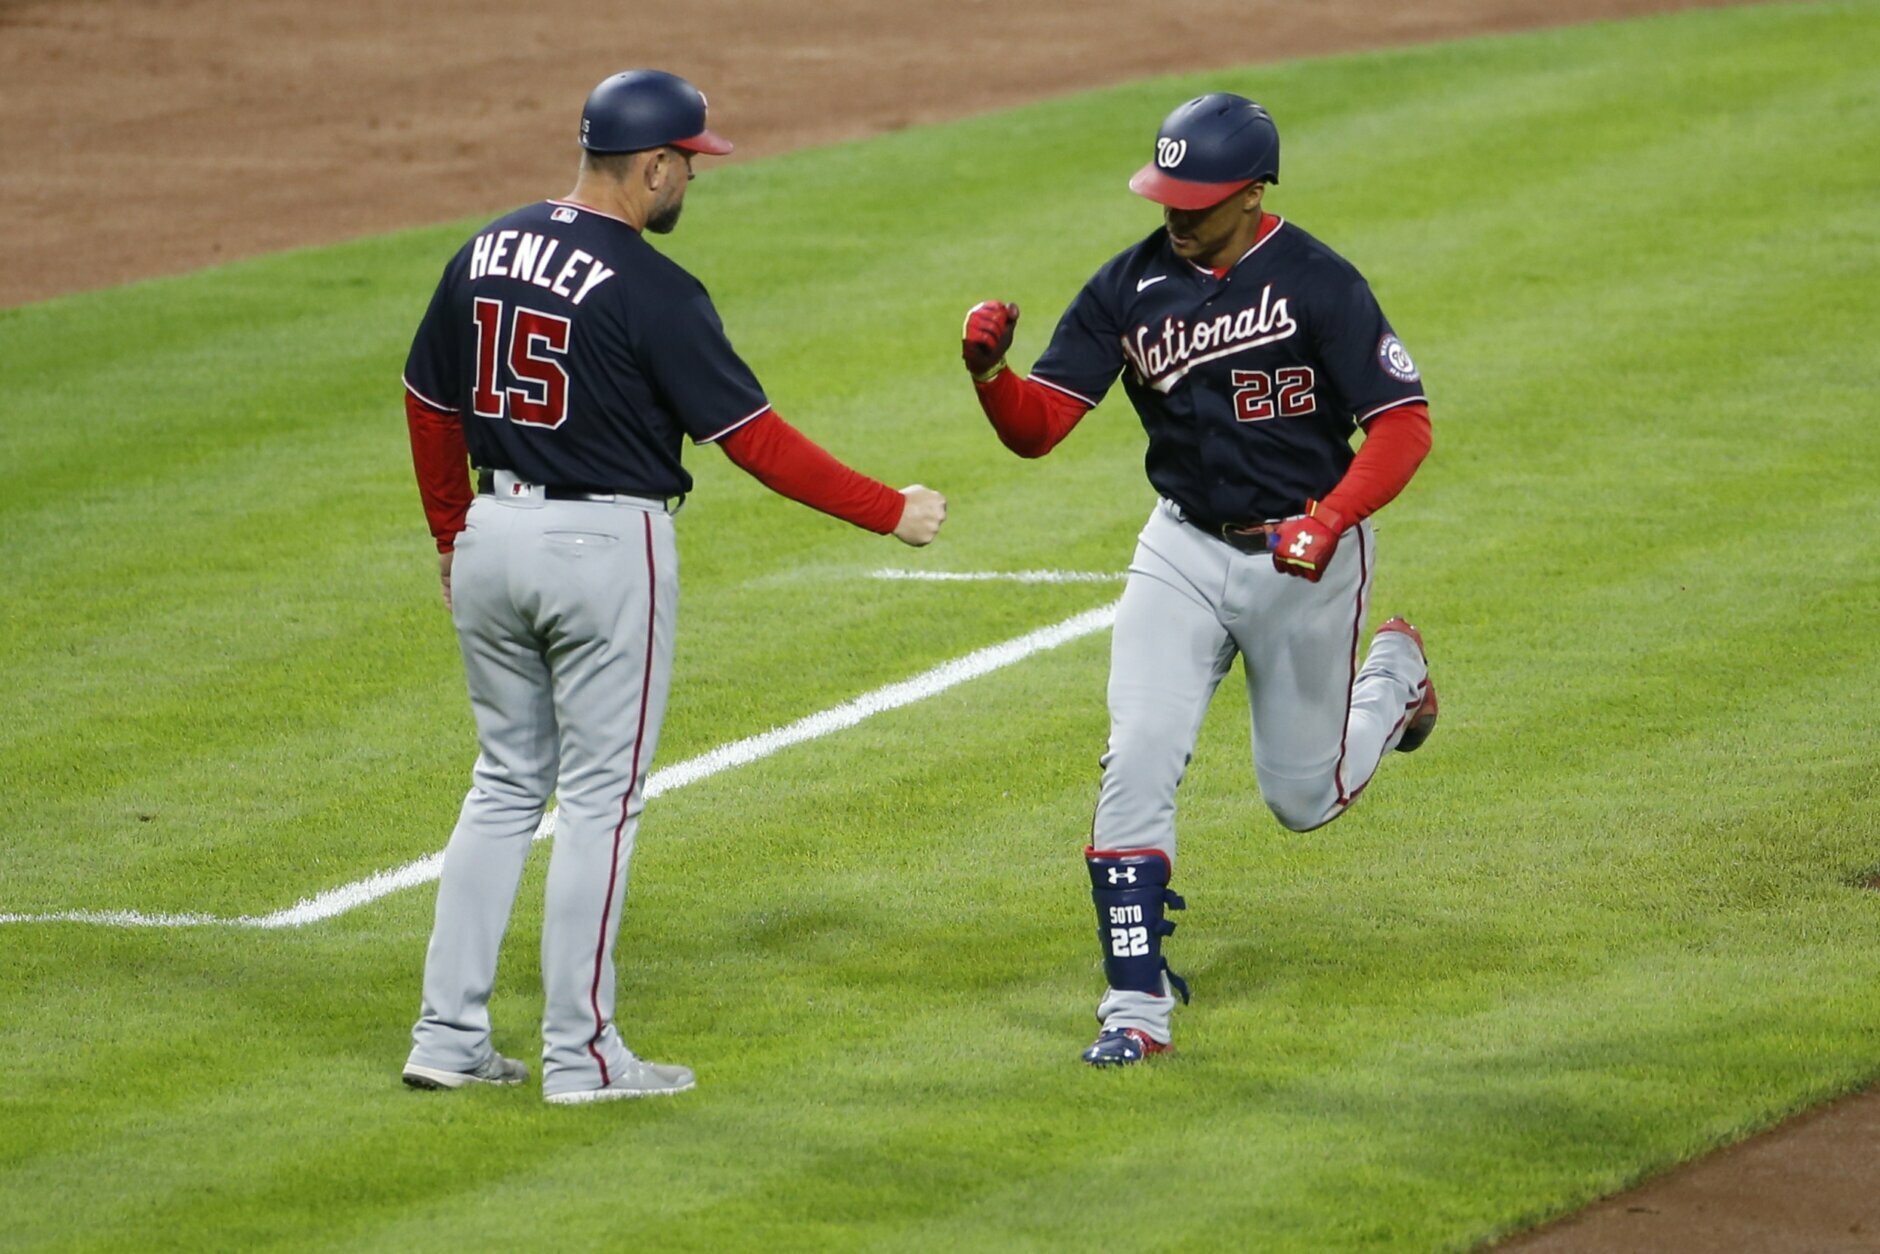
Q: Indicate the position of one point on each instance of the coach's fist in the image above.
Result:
(1304, 545)
(986, 337)
(921, 516)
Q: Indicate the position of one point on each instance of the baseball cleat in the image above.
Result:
(638, 1078)
(1423, 718)
(1119, 1047)
(496, 1069)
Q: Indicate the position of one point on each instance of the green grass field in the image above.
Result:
(1609, 919)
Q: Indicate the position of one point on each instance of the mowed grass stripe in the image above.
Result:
(1605, 921)
(332, 902)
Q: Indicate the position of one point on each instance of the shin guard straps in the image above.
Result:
(1130, 889)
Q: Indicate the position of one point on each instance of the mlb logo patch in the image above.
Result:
(564, 214)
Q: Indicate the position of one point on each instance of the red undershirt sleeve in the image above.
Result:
(442, 461)
(791, 464)
(1395, 443)
(1030, 418)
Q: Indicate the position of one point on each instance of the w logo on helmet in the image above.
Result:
(1169, 152)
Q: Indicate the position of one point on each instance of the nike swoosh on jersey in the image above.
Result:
(1149, 282)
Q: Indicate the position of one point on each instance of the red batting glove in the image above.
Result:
(986, 337)
(1304, 545)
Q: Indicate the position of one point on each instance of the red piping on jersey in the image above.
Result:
(791, 464)
(429, 403)
(1407, 401)
(750, 417)
(633, 784)
(1079, 397)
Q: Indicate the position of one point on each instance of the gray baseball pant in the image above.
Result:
(1321, 722)
(565, 614)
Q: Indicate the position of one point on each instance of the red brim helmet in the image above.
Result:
(1158, 186)
(706, 142)
(1208, 149)
(640, 109)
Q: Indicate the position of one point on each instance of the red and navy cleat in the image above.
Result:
(1119, 1047)
(1423, 718)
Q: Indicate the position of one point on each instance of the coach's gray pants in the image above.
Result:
(565, 613)
(1321, 724)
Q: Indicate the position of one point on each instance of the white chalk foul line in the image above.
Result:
(338, 901)
(997, 576)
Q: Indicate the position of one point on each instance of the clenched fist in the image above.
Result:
(986, 337)
(1304, 545)
(921, 516)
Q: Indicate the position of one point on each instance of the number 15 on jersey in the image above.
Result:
(520, 375)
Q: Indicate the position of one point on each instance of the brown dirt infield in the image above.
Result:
(145, 139)
(154, 138)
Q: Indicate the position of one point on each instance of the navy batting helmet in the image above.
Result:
(640, 109)
(1207, 150)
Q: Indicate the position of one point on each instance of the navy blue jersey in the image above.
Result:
(578, 356)
(1249, 386)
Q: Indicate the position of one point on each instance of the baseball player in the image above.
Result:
(568, 360)
(1251, 353)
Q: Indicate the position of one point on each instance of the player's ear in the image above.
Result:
(670, 165)
(1251, 198)
(652, 171)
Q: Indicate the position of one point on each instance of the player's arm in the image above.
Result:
(438, 453)
(1367, 367)
(1030, 417)
(442, 462)
(1395, 444)
(702, 377)
(791, 464)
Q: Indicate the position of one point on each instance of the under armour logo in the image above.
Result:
(1300, 545)
(1169, 152)
(1122, 875)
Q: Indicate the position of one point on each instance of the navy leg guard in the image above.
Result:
(1130, 889)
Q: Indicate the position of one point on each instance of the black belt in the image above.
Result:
(1248, 537)
(486, 485)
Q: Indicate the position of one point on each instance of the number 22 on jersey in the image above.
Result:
(525, 346)
(1254, 399)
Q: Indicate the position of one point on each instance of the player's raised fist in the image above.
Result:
(921, 516)
(986, 337)
(1304, 545)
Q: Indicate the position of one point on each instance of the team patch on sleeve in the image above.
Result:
(1395, 358)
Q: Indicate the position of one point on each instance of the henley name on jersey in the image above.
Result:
(530, 258)
(578, 355)
(1162, 358)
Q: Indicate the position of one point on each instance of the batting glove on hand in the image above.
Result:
(986, 337)
(1304, 545)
